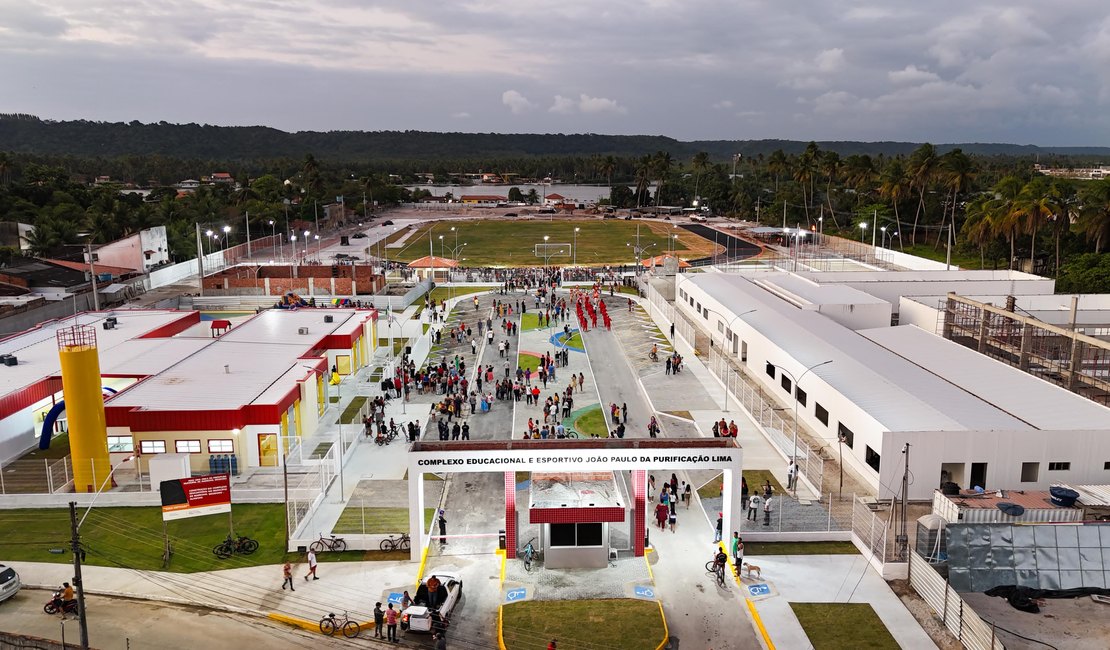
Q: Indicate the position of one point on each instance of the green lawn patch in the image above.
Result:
(351, 413)
(592, 421)
(132, 537)
(59, 448)
(755, 478)
(800, 548)
(492, 242)
(842, 626)
(321, 450)
(398, 345)
(632, 291)
(523, 476)
(372, 520)
(610, 623)
(575, 341)
(528, 361)
(962, 260)
(530, 321)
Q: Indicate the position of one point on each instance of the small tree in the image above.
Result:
(515, 195)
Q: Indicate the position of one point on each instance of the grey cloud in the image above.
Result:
(861, 69)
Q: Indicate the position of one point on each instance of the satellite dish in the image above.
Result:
(1012, 509)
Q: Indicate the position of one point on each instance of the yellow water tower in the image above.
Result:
(88, 429)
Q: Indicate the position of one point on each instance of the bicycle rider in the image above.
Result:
(654, 352)
(720, 560)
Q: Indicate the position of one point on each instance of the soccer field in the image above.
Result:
(512, 242)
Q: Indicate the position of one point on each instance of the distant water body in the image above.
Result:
(575, 193)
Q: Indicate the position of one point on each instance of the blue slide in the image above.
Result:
(52, 417)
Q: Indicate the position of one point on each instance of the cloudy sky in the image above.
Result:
(941, 70)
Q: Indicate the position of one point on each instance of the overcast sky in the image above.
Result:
(939, 70)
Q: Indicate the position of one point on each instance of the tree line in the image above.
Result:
(999, 211)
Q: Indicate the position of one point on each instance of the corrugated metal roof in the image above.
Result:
(282, 325)
(200, 383)
(898, 394)
(1093, 495)
(1042, 404)
(808, 291)
(37, 349)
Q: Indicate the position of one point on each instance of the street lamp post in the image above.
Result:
(862, 231)
(306, 234)
(575, 251)
(273, 235)
(794, 457)
(841, 439)
(546, 256)
(208, 237)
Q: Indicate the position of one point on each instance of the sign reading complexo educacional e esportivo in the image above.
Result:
(573, 460)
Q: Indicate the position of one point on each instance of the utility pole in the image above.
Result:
(200, 262)
(902, 539)
(948, 255)
(874, 227)
(247, 219)
(75, 547)
(784, 215)
(92, 274)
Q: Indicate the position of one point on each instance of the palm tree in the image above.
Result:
(859, 174)
(1005, 219)
(894, 185)
(957, 172)
(805, 169)
(922, 168)
(661, 164)
(41, 239)
(1034, 206)
(830, 167)
(778, 165)
(643, 177)
(979, 228)
(699, 164)
(606, 166)
(1094, 216)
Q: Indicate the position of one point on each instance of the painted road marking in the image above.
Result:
(761, 589)
(513, 595)
(644, 592)
(394, 597)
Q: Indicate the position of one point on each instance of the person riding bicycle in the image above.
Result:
(654, 352)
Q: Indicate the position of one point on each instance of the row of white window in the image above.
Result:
(127, 444)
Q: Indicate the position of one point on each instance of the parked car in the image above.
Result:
(547, 210)
(510, 214)
(359, 235)
(422, 615)
(10, 584)
(387, 222)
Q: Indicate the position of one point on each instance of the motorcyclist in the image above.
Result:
(69, 601)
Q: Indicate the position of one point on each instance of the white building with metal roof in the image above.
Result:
(977, 421)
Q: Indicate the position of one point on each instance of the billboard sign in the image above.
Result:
(196, 496)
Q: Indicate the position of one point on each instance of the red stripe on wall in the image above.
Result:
(187, 320)
(16, 401)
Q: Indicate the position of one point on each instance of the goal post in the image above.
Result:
(549, 250)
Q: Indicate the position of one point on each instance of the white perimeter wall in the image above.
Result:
(17, 434)
(914, 312)
(892, 291)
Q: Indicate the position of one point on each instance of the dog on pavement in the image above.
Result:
(751, 568)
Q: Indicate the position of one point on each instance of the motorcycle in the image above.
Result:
(56, 604)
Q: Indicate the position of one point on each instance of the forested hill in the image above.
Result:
(86, 139)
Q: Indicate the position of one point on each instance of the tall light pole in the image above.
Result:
(546, 257)
(273, 236)
(319, 253)
(227, 235)
(306, 234)
(208, 237)
(794, 457)
(862, 231)
(575, 251)
(724, 348)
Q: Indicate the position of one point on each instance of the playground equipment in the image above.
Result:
(52, 416)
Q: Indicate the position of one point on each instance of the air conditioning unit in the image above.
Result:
(329, 319)
(302, 330)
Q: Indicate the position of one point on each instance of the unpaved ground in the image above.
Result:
(924, 615)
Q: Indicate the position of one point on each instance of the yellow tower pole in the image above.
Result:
(88, 429)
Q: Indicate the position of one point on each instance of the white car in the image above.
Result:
(421, 616)
(9, 582)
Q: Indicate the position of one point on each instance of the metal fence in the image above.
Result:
(960, 619)
(870, 529)
(777, 429)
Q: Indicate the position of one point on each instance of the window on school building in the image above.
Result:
(801, 396)
(770, 370)
(576, 535)
(121, 443)
(1030, 472)
(786, 383)
(187, 446)
(822, 413)
(848, 435)
(152, 446)
(1059, 466)
(220, 446)
(872, 458)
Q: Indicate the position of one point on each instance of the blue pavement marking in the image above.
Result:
(644, 592)
(559, 340)
(394, 597)
(761, 589)
(513, 595)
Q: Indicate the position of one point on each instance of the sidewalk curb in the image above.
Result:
(170, 600)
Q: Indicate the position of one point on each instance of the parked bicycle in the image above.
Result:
(529, 554)
(326, 544)
(331, 624)
(391, 543)
(242, 545)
